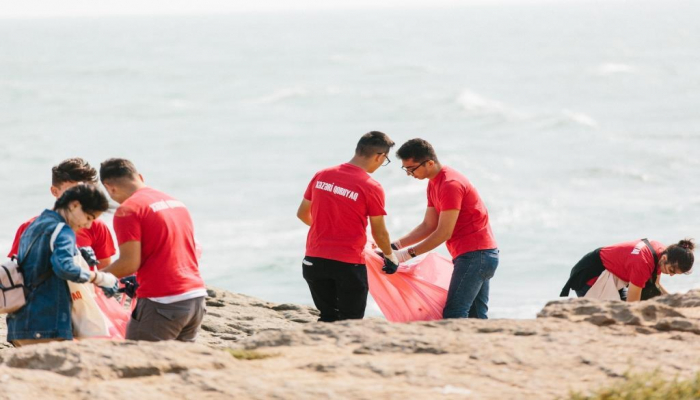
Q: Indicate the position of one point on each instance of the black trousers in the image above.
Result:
(339, 289)
(592, 262)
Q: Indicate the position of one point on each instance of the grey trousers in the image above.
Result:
(152, 321)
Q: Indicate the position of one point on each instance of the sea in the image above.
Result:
(577, 122)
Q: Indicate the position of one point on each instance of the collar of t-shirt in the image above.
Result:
(353, 167)
(441, 174)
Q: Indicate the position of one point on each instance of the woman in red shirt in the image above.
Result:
(634, 262)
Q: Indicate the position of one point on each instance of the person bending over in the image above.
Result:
(639, 263)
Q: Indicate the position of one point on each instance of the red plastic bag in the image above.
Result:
(116, 315)
(416, 292)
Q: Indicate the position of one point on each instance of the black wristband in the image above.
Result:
(394, 246)
(412, 252)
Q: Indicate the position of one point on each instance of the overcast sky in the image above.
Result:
(74, 8)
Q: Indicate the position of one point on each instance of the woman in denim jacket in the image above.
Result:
(47, 315)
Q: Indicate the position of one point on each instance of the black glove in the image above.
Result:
(130, 286)
(389, 266)
(89, 255)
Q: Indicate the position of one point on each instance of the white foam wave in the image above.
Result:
(480, 106)
(614, 68)
(566, 118)
(281, 94)
(580, 118)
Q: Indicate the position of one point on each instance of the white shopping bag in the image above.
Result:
(606, 287)
(88, 319)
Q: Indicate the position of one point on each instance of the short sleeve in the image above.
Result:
(127, 225)
(18, 235)
(640, 267)
(375, 201)
(102, 241)
(308, 194)
(451, 196)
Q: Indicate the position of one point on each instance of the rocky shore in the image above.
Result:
(252, 349)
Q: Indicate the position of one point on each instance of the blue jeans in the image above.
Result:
(468, 295)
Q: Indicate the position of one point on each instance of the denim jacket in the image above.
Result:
(47, 313)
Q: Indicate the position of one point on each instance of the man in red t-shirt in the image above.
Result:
(156, 241)
(336, 205)
(455, 215)
(98, 238)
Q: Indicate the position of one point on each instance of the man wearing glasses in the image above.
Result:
(336, 205)
(455, 215)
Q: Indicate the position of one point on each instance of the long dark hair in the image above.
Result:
(681, 254)
(89, 196)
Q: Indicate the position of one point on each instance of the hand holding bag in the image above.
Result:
(88, 320)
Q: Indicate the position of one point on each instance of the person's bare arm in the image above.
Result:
(658, 284)
(129, 260)
(380, 234)
(304, 212)
(446, 225)
(634, 293)
(103, 263)
(423, 230)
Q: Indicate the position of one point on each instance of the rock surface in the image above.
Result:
(574, 344)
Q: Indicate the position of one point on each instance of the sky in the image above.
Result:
(91, 8)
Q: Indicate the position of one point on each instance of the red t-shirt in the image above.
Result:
(450, 190)
(168, 253)
(97, 236)
(631, 261)
(342, 197)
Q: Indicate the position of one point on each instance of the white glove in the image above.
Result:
(403, 255)
(392, 257)
(105, 279)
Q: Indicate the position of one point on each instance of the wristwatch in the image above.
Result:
(412, 252)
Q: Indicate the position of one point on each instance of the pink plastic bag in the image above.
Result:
(416, 292)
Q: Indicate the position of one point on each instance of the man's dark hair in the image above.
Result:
(417, 150)
(117, 168)
(73, 170)
(90, 197)
(372, 143)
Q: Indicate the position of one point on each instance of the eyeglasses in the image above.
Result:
(411, 170)
(388, 161)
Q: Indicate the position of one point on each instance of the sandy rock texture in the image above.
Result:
(574, 344)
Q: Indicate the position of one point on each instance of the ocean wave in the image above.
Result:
(626, 174)
(479, 106)
(281, 95)
(517, 216)
(579, 118)
(566, 118)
